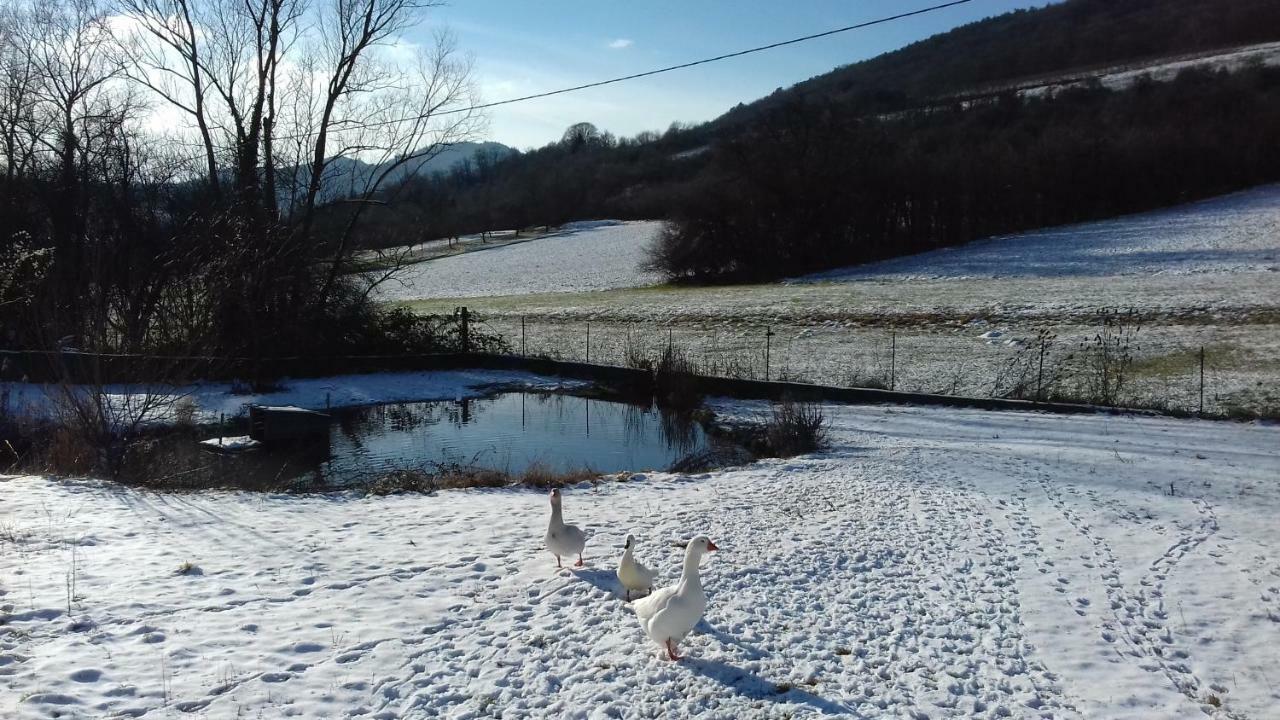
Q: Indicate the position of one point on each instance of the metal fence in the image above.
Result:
(1158, 368)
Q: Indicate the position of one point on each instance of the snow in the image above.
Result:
(932, 563)
(232, 443)
(1205, 274)
(211, 400)
(1120, 78)
(580, 257)
(1238, 233)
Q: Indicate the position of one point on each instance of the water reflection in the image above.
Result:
(507, 432)
(510, 432)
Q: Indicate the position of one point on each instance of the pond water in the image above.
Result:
(509, 432)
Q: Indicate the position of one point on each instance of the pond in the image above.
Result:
(508, 432)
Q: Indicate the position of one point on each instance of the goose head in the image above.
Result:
(631, 540)
(555, 497)
(701, 544)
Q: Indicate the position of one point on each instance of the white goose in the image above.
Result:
(563, 539)
(632, 574)
(670, 613)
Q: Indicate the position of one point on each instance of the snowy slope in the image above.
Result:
(596, 255)
(932, 564)
(1238, 233)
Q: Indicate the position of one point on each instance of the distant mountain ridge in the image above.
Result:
(346, 176)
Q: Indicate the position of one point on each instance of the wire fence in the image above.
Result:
(1200, 370)
(1121, 365)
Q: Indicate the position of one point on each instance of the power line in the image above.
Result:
(659, 71)
(740, 53)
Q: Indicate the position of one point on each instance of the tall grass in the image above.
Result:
(795, 428)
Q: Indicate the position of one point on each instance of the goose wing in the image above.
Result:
(648, 607)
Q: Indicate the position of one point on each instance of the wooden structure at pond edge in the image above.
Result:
(276, 424)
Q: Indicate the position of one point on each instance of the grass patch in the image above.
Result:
(1186, 362)
(454, 477)
(539, 475)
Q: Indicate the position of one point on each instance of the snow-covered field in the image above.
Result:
(1202, 274)
(1233, 234)
(580, 257)
(933, 563)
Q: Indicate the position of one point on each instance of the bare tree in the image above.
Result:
(169, 56)
(18, 85)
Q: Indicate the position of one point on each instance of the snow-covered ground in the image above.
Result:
(580, 257)
(1119, 78)
(208, 401)
(1238, 233)
(933, 563)
(1202, 274)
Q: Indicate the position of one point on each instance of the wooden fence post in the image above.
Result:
(893, 358)
(465, 330)
(1201, 410)
(768, 335)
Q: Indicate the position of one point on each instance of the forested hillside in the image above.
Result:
(806, 188)
(1023, 44)
(903, 96)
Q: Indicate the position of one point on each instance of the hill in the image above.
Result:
(348, 176)
(663, 175)
(1018, 46)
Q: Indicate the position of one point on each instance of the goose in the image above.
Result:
(563, 539)
(668, 614)
(632, 574)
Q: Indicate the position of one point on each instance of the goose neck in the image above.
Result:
(689, 577)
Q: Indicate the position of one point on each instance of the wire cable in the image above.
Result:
(659, 71)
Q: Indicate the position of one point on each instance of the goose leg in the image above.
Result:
(558, 565)
(579, 563)
(628, 594)
(671, 651)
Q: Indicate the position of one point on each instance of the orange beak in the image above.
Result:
(711, 546)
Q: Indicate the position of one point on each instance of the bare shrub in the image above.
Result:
(67, 453)
(863, 378)
(1106, 361)
(1033, 373)
(795, 428)
(674, 378)
(634, 356)
(98, 426)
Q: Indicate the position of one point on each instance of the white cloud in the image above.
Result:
(621, 43)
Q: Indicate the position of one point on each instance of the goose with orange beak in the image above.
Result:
(668, 614)
(563, 539)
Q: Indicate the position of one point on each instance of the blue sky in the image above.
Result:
(522, 47)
